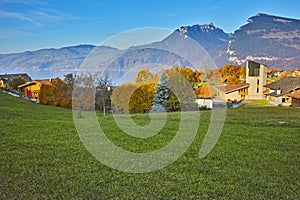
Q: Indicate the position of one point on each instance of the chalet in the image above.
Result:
(236, 92)
(295, 99)
(32, 89)
(5, 79)
(279, 92)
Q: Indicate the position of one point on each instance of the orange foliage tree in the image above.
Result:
(62, 94)
(233, 74)
(46, 95)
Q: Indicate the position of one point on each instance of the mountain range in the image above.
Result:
(271, 40)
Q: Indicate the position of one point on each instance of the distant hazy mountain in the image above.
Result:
(272, 40)
(66, 58)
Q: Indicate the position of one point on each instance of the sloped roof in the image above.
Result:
(231, 88)
(270, 70)
(286, 85)
(42, 81)
(10, 77)
(295, 95)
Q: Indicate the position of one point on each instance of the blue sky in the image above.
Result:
(36, 24)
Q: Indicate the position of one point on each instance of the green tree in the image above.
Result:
(162, 94)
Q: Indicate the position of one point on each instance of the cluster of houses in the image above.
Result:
(258, 85)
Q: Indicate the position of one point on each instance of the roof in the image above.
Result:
(10, 77)
(270, 70)
(42, 81)
(267, 91)
(231, 88)
(286, 84)
(295, 95)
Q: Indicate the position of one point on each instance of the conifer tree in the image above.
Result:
(162, 94)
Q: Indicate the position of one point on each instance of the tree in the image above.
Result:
(13, 85)
(103, 92)
(120, 98)
(183, 91)
(189, 74)
(233, 74)
(59, 94)
(141, 100)
(62, 93)
(143, 76)
(162, 94)
(70, 78)
(46, 95)
(84, 92)
(205, 92)
(207, 75)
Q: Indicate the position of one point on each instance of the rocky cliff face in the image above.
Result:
(268, 39)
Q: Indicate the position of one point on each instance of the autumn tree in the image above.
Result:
(62, 92)
(205, 91)
(233, 74)
(121, 96)
(141, 100)
(144, 76)
(46, 95)
(13, 85)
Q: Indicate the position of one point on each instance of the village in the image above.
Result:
(255, 81)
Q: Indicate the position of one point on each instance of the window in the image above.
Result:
(257, 90)
(253, 68)
(256, 72)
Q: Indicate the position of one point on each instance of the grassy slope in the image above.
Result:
(42, 157)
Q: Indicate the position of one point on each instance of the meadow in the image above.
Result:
(42, 157)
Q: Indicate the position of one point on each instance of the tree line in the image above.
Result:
(171, 90)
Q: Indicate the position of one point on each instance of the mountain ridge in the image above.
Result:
(265, 38)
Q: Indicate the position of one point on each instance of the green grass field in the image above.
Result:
(42, 157)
